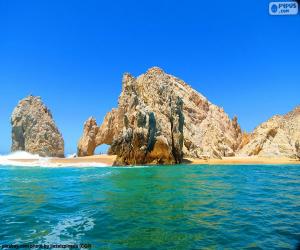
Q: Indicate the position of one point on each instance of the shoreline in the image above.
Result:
(243, 161)
(95, 160)
(108, 160)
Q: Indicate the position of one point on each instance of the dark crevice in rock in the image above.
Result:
(151, 132)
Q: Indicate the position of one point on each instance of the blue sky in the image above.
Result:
(73, 54)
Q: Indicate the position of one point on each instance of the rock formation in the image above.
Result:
(139, 131)
(88, 140)
(159, 118)
(33, 129)
(277, 137)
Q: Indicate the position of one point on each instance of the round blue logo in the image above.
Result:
(274, 8)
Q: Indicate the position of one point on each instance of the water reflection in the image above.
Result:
(25, 192)
(178, 207)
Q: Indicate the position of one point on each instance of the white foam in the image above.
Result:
(20, 155)
(70, 156)
(69, 230)
(26, 159)
(15, 159)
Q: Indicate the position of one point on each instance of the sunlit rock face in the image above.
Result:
(277, 137)
(87, 143)
(160, 118)
(34, 130)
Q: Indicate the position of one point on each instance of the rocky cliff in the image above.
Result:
(159, 118)
(277, 137)
(33, 129)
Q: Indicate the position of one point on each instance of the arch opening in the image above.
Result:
(101, 149)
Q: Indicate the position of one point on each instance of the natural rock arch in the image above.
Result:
(185, 123)
(94, 136)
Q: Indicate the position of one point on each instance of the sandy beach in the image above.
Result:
(108, 160)
(242, 160)
(103, 160)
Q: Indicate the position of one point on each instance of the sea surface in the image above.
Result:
(158, 207)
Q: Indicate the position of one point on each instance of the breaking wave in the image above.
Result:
(20, 155)
(25, 159)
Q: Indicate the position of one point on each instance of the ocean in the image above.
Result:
(155, 207)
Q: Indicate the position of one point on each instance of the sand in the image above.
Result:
(108, 160)
(243, 160)
(104, 160)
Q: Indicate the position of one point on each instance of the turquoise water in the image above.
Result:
(161, 207)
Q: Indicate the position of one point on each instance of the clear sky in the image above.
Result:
(73, 54)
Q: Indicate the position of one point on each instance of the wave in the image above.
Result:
(20, 155)
(25, 159)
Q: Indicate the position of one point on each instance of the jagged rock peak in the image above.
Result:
(277, 137)
(34, 130)
(295, 112)
(127, 77)
(155, 71)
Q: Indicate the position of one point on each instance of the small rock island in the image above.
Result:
(34, 130)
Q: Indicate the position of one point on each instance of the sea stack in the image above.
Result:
(275, 138)
(34, 130)
(144, 129)
(158, 120)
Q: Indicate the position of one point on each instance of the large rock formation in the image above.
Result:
(33, 129)
(159, 118)
(277, 137)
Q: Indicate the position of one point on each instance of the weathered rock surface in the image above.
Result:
(33, 129)
(87, 143)
(160, 118)
(277, 137)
